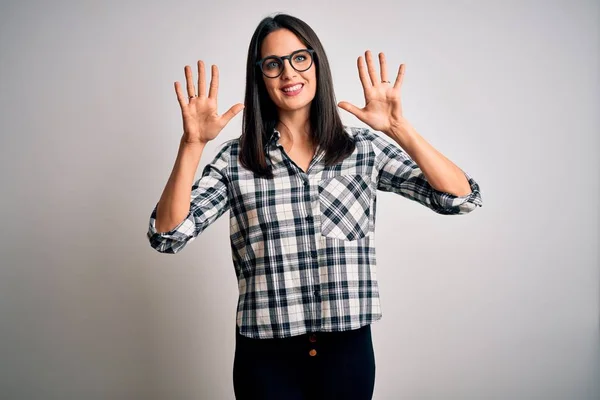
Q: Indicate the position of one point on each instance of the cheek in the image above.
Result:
(313, 81)
(272, 88)
(312, 78)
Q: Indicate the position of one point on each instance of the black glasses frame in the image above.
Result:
(289, 58)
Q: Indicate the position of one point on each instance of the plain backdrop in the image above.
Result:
(502, 303)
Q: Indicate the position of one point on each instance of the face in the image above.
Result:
(292, 90)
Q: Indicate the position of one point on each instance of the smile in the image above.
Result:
(293, 90)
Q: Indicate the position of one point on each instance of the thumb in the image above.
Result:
(232, 112)
(344, 105)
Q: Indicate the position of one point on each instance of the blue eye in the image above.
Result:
(271, 64)
(300, 58)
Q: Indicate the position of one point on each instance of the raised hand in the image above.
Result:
(201, 121)
(383, 107)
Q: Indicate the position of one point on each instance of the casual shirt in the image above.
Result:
(303, 243)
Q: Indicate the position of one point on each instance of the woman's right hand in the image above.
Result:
(201, 121)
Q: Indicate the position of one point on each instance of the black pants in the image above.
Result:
(315, 366)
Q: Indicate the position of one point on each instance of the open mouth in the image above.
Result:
(293, 90)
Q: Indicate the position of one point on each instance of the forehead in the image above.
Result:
(280, 43)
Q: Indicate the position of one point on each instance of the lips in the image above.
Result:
(292, 89)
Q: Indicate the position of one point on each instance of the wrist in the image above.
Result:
(191, 144)
(401, 132)
(189, 151)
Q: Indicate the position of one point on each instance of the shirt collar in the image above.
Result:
(275, 135)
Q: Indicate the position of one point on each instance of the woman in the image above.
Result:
(301, 191)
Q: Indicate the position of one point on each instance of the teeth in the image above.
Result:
(292, 88)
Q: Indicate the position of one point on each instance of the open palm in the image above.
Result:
(383, 106)
(201, 120)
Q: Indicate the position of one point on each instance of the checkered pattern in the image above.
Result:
(345, 203)
(303, 242)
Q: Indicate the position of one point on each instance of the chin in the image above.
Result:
(290, 107)
(294, 105)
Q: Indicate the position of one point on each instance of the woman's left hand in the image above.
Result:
(383, 107)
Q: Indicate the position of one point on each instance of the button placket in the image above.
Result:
(314, 254)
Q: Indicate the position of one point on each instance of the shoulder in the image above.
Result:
(379, 143)
(226, 150)
(359, 134)
(224, 154)
(367, 136)
(228, 145)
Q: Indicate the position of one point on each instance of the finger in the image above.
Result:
(189, 82)
(214, 82)
(352, 109)
(201, 79)
(180, 97)
(383, 67)
(232, 112)
(400, 77)
(362, 73)
(371, 68)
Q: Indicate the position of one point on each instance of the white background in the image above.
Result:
(502, 303)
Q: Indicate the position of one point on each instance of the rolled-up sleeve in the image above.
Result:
(398, 173)
(209, 200)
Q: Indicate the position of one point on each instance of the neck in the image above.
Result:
(295, 127)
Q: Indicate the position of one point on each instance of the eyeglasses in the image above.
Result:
(300, 60)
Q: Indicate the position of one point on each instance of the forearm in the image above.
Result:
(440, 172)
(174, 203)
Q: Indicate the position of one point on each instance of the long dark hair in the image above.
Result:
(260, 113)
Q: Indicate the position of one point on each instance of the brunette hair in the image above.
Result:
(260, 113)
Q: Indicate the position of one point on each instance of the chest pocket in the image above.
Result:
(345, 203)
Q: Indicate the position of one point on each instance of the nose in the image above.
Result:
(288, 71)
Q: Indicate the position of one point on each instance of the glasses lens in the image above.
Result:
(272, 67)
(301, 60)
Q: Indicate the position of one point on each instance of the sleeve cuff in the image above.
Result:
(183, 229)
(459, 204)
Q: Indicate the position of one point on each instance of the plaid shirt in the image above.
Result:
(303, 244)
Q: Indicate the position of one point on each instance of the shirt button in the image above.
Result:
(312, 353)
(312, 338)
(305, 183)
(309, 218)
(313, 254)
